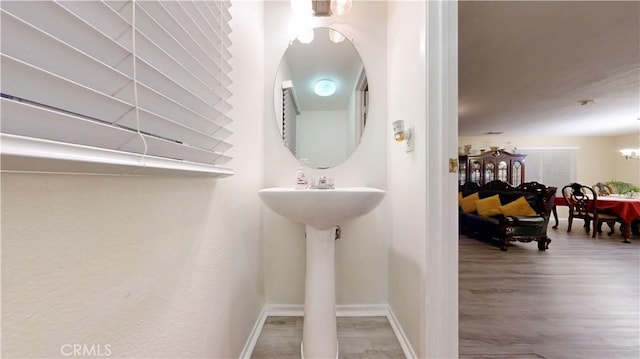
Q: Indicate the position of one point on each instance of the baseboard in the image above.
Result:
(407, 349)
(255, 334)
(297, 310)
(364, 310)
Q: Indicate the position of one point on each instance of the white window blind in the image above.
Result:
(551, 166)
(116, 87)
(290, 111)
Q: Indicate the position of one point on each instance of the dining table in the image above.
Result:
(627, 209)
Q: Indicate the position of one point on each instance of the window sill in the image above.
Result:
(26, 154)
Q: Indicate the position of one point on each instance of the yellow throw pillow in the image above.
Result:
(489, 206)
(468, 203)
(519, 207)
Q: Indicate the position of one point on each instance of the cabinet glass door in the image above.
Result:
(489, 172)
(475, 171)
(502, 171)
(516, 173)
(462, 172)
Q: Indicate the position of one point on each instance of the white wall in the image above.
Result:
(352, 120)
(423, 258)
(361, 254)
(322, 137)
(152, 267)
(407, 171)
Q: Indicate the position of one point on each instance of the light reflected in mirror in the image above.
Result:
(321, 98)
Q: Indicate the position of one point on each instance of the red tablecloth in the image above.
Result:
(627, 209)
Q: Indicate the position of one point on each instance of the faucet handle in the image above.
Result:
(330, 183)
(322, 182)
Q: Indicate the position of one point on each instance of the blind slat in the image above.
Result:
(25, 81)
(55, 20)
(169, 149)
(23, 119)
(173, 67)
(70, 65)
(152, 26)
(37, 48)
(551, 166)
(166, 128)
(178, 26)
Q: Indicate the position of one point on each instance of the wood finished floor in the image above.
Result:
(578, 300)
(358, 338)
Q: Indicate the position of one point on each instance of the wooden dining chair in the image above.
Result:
(582, 204)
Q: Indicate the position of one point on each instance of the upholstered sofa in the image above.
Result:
(521, 214)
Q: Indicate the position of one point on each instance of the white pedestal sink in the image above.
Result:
(320, 211)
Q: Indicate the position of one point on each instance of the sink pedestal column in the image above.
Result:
(319, 332)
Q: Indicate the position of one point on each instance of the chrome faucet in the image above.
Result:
(322, 182)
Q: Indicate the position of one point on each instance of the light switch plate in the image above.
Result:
(409, 140)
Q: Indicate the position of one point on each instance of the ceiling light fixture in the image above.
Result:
(341, 7)
(631, 153)
(324, 88)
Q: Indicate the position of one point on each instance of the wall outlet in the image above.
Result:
(409, 133)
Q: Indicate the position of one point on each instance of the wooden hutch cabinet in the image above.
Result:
(491, 165)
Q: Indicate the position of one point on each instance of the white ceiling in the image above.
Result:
(525, 66)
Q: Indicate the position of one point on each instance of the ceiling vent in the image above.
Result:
(494, 133)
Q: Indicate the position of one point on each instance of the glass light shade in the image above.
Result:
(341, 7)
(324, 88)
(335, 36)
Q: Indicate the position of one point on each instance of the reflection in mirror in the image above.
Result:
(321, 121)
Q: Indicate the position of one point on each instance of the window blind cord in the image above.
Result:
(135, 83)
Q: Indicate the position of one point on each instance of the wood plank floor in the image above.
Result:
(358, 338)
(579, 299)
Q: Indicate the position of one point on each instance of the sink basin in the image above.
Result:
(322, 208)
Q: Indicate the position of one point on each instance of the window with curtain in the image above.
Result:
(116, 87)
(551, 166)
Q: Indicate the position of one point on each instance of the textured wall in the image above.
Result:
(141, 267)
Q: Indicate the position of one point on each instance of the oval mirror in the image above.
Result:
(321, 98)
